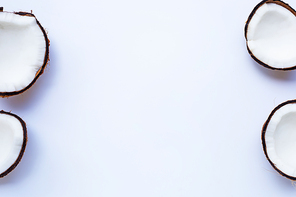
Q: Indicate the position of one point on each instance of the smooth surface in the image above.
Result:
(147, 98)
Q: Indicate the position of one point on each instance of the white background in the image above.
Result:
(147, 98)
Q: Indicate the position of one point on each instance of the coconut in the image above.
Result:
(24, 49)
(13, 140)
(270, 35)
(279, 139)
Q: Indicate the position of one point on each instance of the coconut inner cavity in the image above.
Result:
(285, 139)
(22, 50)
(271, 36)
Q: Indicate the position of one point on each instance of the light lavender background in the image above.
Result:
(147, 98)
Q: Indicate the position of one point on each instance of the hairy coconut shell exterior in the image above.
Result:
(45, 61)
(25, 138)
(278, 2)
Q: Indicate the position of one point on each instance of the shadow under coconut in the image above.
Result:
(31, 97)
(285, 183)
(289, 75)
(27, 164)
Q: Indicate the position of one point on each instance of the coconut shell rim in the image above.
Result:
(45, 61)
(263, 137)
(278, 2)
(22, 151)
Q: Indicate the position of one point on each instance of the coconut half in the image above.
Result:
(13, 140)
(24, 49)
(270, 34)
(279, 139)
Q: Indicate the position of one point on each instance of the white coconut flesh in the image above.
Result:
(22, 51)
(271, 36)
(11, 141)
(280, 139)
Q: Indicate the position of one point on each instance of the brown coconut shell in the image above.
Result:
(278, 2)
(45, 61)
(25, 139)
